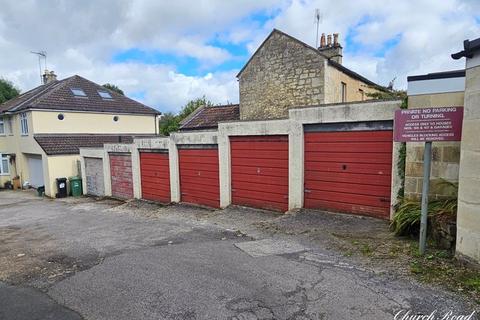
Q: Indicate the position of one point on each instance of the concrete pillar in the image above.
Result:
(224, 169)
(468, 216)
(136, 176)
(84, 174)
(106, 173)
(174, 171)
(295, 166)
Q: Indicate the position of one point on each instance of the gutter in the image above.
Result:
(469, 47)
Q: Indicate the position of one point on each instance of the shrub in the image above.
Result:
(408, 212)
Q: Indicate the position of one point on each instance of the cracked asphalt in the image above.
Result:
(105, 259)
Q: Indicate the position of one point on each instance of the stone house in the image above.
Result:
(439, 89)
(285, 73)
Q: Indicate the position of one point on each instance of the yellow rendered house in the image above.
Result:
(42, 130)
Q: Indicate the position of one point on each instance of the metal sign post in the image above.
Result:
(427, 161)
(427, 125)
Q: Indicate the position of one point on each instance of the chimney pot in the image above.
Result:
(335, 40)
(322, 41)
(329, 40)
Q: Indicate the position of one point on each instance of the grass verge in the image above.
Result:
(437, 266)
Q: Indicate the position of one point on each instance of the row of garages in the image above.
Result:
(346, 168)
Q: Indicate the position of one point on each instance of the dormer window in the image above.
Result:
(105, 95)
(78, 92)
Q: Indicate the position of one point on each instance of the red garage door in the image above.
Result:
(260, 171)
(199, 182)
(155, 175)
(121, 175)
(349, 171)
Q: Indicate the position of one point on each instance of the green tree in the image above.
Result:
(114, 88)
(171, 122)
(385, 94)
(193, 105)
(7, 90)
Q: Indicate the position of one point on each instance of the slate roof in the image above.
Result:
(57, 95)
(208, 117)
(63, 144)
(334, 64)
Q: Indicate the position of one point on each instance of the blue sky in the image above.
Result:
(192, 66)
(184, 64)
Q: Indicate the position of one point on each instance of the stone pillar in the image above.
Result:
(468, 216)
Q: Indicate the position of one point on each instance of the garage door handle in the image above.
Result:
(307, 190)
(384, 200)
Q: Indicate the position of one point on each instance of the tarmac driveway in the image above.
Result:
(88, 259)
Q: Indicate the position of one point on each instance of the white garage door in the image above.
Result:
(94, 175)
(35, 169)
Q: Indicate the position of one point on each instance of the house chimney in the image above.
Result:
(49, 76)
(322, 41)
(335, 39)
(332, 51)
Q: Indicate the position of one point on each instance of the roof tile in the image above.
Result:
(58, 96)
(208, 117)
(58, 144)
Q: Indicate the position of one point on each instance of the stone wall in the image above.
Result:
(445, 155)
(468, 216)
(283, 73)
(445, 166)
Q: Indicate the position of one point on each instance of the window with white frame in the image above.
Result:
(23, 123)
(2, 125)
(4, 170)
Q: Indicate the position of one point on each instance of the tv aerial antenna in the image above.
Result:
(318, 20)
(42, 55)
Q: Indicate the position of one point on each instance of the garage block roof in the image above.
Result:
(59, 95)
(61, 144)
(208, 117)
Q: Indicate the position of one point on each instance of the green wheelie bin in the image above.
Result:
(76, 186)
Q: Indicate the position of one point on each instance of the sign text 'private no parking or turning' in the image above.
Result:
(428, 124)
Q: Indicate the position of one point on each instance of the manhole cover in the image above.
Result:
(269, 247)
